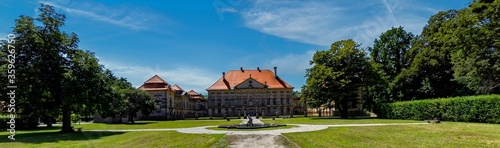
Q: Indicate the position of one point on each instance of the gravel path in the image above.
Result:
(255, 141)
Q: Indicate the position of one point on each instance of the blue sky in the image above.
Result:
(191, 42)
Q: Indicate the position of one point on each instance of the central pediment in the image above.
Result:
(249, 84)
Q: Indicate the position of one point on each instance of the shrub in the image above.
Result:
(75, 118)
(23, 122)
(484, 108)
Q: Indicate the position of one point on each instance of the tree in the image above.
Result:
(430, 74)
(42, 52)
(125, 99)
(389, 51)
(338, 74)
(67, 78)
(85, 86)
(477, 61)
(315, 92)
(138, 100)
(389, 56)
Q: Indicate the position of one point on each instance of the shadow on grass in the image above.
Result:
(42, 128)
(44, 137)
(350, 118)
(136, 123)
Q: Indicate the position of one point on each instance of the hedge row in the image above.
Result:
(484, 108)
(21, 123)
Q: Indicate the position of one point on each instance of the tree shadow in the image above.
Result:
(350, 118)
(136, 123)
(42, 128)
(55, 136)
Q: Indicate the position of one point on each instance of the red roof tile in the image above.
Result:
(235, 77)
(155, 83)
(177, 88)
(192, 93)
(156, 79)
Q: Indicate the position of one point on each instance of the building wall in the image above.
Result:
(239, 102)
(173, 106)
(161, 100)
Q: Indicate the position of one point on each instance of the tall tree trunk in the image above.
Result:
(66, 110)
(330, 110)
(48, 120)
(66, 127)
(319, 112)
(131, 118)
(342, 109)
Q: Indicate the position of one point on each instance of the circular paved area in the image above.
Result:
(300, 128)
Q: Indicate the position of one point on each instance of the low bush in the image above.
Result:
(484, 108)
(24, 122)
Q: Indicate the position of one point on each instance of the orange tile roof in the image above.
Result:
(155, 83)
(177, 88)
(235, 77)
(156, 79)
(193, 93)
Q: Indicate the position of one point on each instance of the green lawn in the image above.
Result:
(447, 134)
(52, 138)
(428, 135)
(257, 129)
(156, 124)
(334, 120)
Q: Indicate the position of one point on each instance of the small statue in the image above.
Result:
(250, 122)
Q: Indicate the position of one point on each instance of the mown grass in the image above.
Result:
(156, 124)
(51, 138)
(427, 135)
(256, 129)
(334, 120)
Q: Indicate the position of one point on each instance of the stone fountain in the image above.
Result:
(250, 123)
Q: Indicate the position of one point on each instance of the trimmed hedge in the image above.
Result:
(484, 108)
(21, 122)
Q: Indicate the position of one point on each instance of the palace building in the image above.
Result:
(255, 92)
(172, 101)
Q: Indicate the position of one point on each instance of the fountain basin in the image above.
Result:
(244, 126)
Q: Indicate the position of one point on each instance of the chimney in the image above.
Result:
(258, 69)
(241, 68)
(275, 72)
(223, 75)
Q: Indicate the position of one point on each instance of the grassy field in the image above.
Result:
(427, 135)
(447, 134)
(334, 120)
(257, 129)
(52, 138)
(156, 124)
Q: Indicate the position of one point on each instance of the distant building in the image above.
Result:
(256, 91)
(172, 102)
(200, 104)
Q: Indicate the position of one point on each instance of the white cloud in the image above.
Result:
(293, 63)
(187, 77)
(229, 10)
(130, 17)
(323, 22)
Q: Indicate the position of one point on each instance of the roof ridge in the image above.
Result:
(158, 78)
(175, 85)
